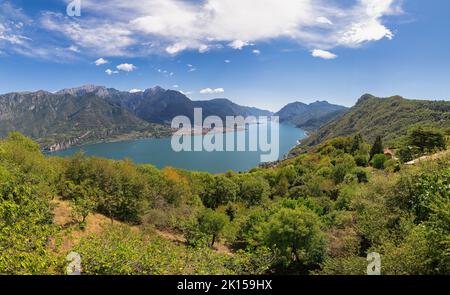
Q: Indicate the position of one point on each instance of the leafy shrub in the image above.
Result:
(362, 160)
(392, 165)
(361, 175)
(254, 191)
(378, 161)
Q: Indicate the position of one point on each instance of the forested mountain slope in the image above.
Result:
(389, 118)
(310, 116)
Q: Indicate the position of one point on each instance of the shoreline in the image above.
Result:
(132, 136)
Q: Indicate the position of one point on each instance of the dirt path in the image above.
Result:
(430, 157)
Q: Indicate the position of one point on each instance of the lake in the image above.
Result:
(159, 152)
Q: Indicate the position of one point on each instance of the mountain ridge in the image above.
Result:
(310, 116)
(93, 113)
(388, 117)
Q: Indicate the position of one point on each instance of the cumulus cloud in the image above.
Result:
(135, 90)
(110, 72)
(256, 51)
(227, 61)
(126, 67)
(116, 28)
(212, 91)
(238, 44)
(323, 54)
(101, 61)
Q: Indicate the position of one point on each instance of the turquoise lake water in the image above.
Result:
(159, 152)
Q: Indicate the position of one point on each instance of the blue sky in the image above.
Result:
(263, 53)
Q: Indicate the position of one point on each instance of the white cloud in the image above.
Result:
(203, 48)
(323, 54)
(256, 51)
(126, 67)
(175, 48)
(238, 44)
(324, 20)
(191, 68)
(227, 61)
(101, 61)
(74, 49)
(115, 28)
(110, 72)
(175, 86)
(135, 90)
(212, 91)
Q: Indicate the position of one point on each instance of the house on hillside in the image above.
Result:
(389, 153)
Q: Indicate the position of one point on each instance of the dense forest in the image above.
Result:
(320, 212)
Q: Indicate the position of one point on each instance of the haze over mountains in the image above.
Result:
(94, 113)
(158, 105)
(310, 116)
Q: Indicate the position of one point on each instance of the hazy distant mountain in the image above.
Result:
(62, 117)
(91, 113)
(158, 105)
(310, 116)
(223, 107)
(388, 117)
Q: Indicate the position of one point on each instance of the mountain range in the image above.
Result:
(160, 106)
(94, 113)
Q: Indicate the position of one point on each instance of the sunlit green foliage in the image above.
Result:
(320, 212)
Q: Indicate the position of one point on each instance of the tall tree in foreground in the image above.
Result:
(212, 223)
(295, 234)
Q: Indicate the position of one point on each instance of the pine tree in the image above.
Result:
(377, 147)
(357, 143)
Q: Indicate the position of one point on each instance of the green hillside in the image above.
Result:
(389, 118)
(318, 213)
(65, 119)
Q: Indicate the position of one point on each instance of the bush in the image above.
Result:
(361, 175)
(362, 160)
(342, 167)
(392, 165)
(378, 161)
(406, 154)
(426, 139)
(254, 191)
